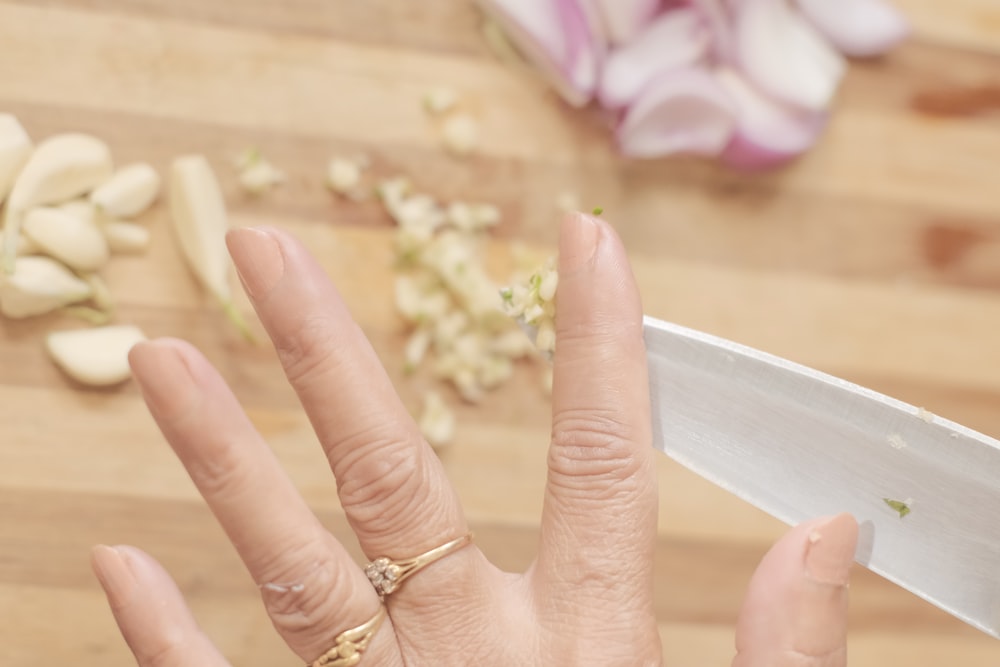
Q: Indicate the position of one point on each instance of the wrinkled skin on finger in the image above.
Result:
(588, 597)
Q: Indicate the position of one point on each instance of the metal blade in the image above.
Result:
(798, 444)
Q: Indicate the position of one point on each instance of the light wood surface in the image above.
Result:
(876, 258)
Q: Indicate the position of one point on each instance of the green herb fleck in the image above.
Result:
(598, 210)
(535, 283)
(507, 294)
(898, 505)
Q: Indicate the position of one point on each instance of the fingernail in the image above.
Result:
(258, 258)
(164, 378)
(579, 237)
(113, 572)
(830, 551)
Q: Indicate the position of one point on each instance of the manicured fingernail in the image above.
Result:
(830, 551)
(113, 572)
(258, 258)
(164, 377)
(579, 237)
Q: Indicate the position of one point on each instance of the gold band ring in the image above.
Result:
(388, 575)
(350, 644)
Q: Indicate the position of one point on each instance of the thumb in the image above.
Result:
(795, 612)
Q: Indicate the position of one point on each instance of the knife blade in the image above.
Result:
(798, 443)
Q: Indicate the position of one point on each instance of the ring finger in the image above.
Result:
(392, 486)
(310, 585)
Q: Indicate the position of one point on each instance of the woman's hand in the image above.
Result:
(588, 597)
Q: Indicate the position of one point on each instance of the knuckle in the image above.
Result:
(796, 657)
(594, 446)
(307, 348)
(221, 472)
(383, 475)
(305, 594)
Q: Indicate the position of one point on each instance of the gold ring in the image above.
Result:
(388, 575)
(350, 644)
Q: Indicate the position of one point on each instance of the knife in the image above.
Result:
(797, 443)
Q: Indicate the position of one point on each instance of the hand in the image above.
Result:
(586, 600)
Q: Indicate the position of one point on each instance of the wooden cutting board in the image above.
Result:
(876, 258)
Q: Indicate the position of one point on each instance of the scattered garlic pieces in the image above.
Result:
(533, 305)
(78, 244)
(460, 132)
(126, 238)
(94, 357)
(15, 148)
(60, 168)
(40, 285)
(198, 212)
(129, 192)
(925, 415)
(343, 176)
(437, 422)
(257, 174)
(440, 100)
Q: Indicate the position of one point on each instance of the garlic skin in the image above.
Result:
(129, 192)
(40, 285)
(61, 167)
(200, 223)
(78, 244)
(126, 238)
(15, 149)
(94, 357)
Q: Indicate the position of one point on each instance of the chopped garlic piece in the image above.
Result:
(343, 176)
(896, 441)
(260, 176)
(437, 422)
(440, 100)
(568, 202)
(461, 134)
(416, 349)
(924, 415)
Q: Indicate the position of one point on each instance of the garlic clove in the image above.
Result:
(126, 238)
(129, 192)
(200, 223)
(60, 168)
(40, 285)
(74, 242)
(94, 357)
(15, 149)
(82, 209)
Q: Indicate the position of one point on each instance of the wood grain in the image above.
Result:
(876, 258)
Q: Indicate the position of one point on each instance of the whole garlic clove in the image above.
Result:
(40, 285)
(62, 167)
(78, 244)
(200, 221)
(94, 357)
(129, 192)
(15, 148)
(126, 238)
(82, 209)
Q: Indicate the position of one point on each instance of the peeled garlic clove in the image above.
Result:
(95, 357)
(40, 285)
(130, 191)
(200, 222)
(77, 244)
(80, 208)
(126, 238)
(62, 167)
(15, 148)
